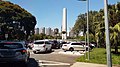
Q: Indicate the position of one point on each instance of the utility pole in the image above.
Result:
(88, 29)
(108, 47)
(87, 26)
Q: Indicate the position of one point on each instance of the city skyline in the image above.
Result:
(48, 13)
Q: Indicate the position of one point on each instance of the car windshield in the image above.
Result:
(10, 45)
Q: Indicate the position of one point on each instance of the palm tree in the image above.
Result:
(115, 35)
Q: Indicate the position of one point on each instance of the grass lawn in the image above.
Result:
(98, 55)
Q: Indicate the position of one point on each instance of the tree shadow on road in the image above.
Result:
(32, 63)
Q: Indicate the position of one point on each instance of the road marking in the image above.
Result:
(44, 63)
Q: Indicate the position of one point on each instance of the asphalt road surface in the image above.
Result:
(50, 59)
(54, 59)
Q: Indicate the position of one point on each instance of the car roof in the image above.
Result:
(21, 42)
(40, 40)
(75, 42)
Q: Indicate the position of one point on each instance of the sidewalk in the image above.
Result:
(73, 53)
(83, 64)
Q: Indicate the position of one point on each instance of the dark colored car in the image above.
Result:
(14, 52)
(55, 44)
(62, 42)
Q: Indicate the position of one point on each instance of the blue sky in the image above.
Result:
(48, 13)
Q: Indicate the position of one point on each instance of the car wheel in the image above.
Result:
(71, 49)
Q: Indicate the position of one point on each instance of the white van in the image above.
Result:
(41, 46)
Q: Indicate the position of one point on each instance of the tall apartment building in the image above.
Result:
(48, 31)
(42, 30)
(52, 32)
(36, 30)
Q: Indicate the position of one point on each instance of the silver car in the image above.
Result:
(14, 52)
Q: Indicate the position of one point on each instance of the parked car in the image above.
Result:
(74, 46)
(11, 51)
(55, 44)
(62, 42)
(41, 46)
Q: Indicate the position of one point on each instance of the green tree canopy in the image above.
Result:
(97, 25)
(12, 15)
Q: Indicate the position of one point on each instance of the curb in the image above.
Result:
(83, 64)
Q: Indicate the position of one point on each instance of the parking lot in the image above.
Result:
(48, 58)
(56, 58)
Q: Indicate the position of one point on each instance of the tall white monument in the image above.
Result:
(64, 24)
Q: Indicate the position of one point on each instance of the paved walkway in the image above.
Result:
(82, 64)
(74, 53)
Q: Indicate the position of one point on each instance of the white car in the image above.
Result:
(74, 46)
(41, 46)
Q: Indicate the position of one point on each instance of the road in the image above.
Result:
(51, 59)
(54, 59)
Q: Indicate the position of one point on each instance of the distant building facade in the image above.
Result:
(48, 31)
(36, 30)
(42, 30)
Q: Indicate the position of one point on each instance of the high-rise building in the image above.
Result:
(56, 30)
(48, 31)
(42, 30)
(52, 33)
(36, 30)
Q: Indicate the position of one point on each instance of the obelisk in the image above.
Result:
(64, 24)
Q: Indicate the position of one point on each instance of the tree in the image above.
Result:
(80, 24)
(13, 18)
(96, 23)
(115, 36)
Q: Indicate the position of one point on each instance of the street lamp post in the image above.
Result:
(108, 48)
(87, 26)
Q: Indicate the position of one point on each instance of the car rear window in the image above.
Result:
(47, 42)
(39, 42)
(10, 45)
(76, 44)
